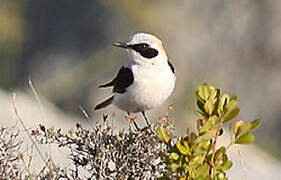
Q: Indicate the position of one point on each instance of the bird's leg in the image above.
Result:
(146, 120)
(132, 119)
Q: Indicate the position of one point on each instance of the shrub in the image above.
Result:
(196, 155)
(150, 153)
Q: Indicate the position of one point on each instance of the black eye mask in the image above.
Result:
(145, 50)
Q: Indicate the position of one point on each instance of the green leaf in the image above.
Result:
(220, 151)
(184, 165)
(183, 149)
(214, 119)
(204, 91)
(163, 135)
(214, 93)
(200, 105)
(201, 148)
(211, 122)
(191, 172)
(186, 158)
(245, 139)
(209, 106)
(231, 114)
(175, 166)
(185, 143)
(255, 124)
(174, 156)
(227, 165)
(191, 137)
(231, 111)
(237, 125)
(206, 127)
(220, 176)
(205, 137)
(223, 101)
(243, 129)
(202, 171)
(219, 154)
(197, 160)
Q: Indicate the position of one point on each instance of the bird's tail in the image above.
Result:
(105, 103)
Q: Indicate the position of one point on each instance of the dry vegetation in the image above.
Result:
(98, 153)
(152, 152)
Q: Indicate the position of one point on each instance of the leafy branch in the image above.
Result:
(196, 156)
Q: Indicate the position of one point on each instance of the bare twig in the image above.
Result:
(83, 110)
(24, 127)
(43, 116)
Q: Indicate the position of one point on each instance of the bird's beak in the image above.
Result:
(121, 44)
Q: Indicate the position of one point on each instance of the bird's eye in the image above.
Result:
(145, 50)
(139, 47)
(143, 45)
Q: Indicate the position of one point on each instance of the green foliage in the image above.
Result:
(196, 155)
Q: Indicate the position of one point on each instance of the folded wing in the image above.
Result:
(123, 80)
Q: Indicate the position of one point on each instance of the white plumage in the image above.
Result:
(151, 87)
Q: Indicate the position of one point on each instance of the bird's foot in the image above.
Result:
(132, 119)
(146, 119)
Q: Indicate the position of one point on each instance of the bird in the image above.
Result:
(146, 81)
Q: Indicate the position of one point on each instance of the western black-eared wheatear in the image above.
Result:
(146, 81)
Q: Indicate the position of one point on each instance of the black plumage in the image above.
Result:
(123, 80)
(105, 103)
(145, 50)
(172, 67)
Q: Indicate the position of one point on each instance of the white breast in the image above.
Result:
(151, 87)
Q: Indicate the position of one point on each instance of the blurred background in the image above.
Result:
(65, 48)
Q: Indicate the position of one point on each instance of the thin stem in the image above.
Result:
(214, 146)
(230, 144)
(25, 129)
(216, 139)
(26, 167)
(44, 119)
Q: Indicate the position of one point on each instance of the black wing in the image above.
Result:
(172, 67)
(123, 80)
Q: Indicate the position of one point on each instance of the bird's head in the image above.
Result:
(144, 49)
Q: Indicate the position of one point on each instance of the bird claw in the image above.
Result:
(132, 119)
